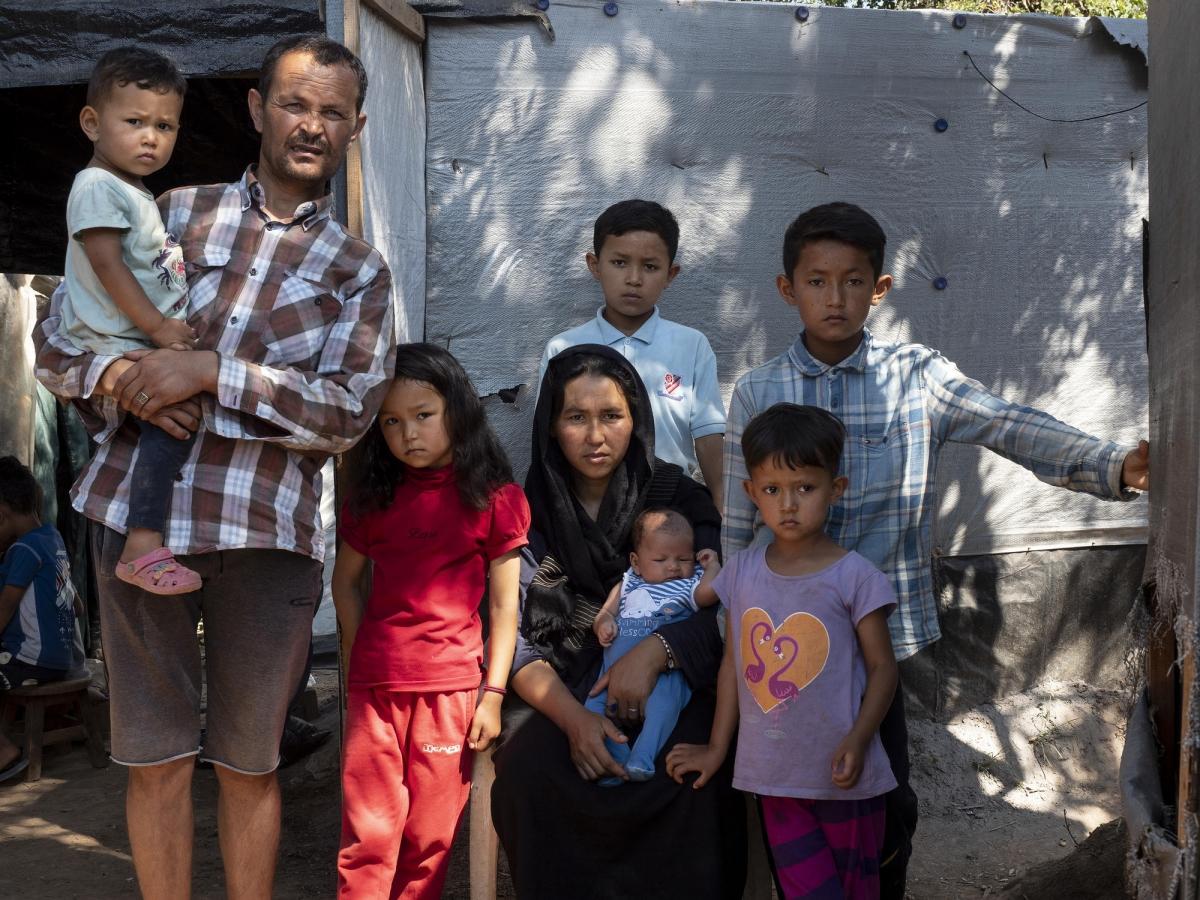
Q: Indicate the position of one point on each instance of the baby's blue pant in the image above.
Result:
(670, 695)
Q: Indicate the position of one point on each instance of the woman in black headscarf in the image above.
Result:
(593, 472)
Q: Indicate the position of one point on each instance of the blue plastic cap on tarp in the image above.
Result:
(941, 124)
(802, 13)
(960, 20)
(610, 8)
(543, 5)
(940, 283)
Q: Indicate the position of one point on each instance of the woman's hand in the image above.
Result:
(702, 758)
(485, 725)
(631, 679)
(585, 733)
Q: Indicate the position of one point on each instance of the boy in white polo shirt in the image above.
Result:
(634, 261)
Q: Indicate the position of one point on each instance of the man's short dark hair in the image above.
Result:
(842, 222)
(148, 69)
(637, 215)
(19, 490)
(324, 51)
(794, 436)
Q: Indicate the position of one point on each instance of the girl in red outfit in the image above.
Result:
(435, 510)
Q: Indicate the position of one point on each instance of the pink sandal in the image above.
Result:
(159, 573)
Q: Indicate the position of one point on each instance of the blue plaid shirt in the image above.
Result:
(900, 403)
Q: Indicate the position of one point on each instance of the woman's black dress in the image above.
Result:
(566, 837)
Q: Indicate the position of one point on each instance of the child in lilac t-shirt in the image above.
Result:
(808, 672)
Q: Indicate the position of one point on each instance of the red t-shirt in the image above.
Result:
(421, 629)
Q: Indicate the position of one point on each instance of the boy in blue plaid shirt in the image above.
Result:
(900, 403)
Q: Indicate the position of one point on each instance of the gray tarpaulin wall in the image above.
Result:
(738, 116)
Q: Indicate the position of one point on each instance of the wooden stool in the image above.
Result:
(484, 844)
(71, 692)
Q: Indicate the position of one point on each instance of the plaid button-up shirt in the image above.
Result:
(900, 403)
(300, 316)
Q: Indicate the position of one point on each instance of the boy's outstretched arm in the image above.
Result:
(963, 410)
(882, 677)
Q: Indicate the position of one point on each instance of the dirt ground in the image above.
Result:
(1007, 793)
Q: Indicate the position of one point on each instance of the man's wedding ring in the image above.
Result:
(141, 398)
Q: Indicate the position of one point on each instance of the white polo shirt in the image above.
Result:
(679, 370)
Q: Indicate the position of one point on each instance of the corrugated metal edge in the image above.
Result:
(1127, 32)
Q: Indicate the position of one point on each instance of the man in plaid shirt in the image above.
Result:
(295, 351)
(899, 403)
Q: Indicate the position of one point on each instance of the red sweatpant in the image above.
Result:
(406, 776)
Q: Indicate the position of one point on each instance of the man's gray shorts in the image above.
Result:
(257, 607)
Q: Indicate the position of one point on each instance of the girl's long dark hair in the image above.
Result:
(480, 464)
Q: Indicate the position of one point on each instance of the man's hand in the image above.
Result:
(161, 378)
(1135, 471)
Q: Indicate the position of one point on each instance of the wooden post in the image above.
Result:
(354, 192)
(403, 17)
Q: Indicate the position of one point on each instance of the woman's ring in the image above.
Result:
(141, 398)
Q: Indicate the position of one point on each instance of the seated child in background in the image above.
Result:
(634, 245)
(808, 671)
(663, 585)
(37, 599)
(900, 403)
(125, 287)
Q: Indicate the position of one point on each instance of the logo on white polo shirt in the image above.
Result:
(672, 387)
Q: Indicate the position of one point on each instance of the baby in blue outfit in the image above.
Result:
(663, 585)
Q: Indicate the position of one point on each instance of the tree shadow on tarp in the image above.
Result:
(737, 119)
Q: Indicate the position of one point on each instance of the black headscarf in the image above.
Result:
(584, 558)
